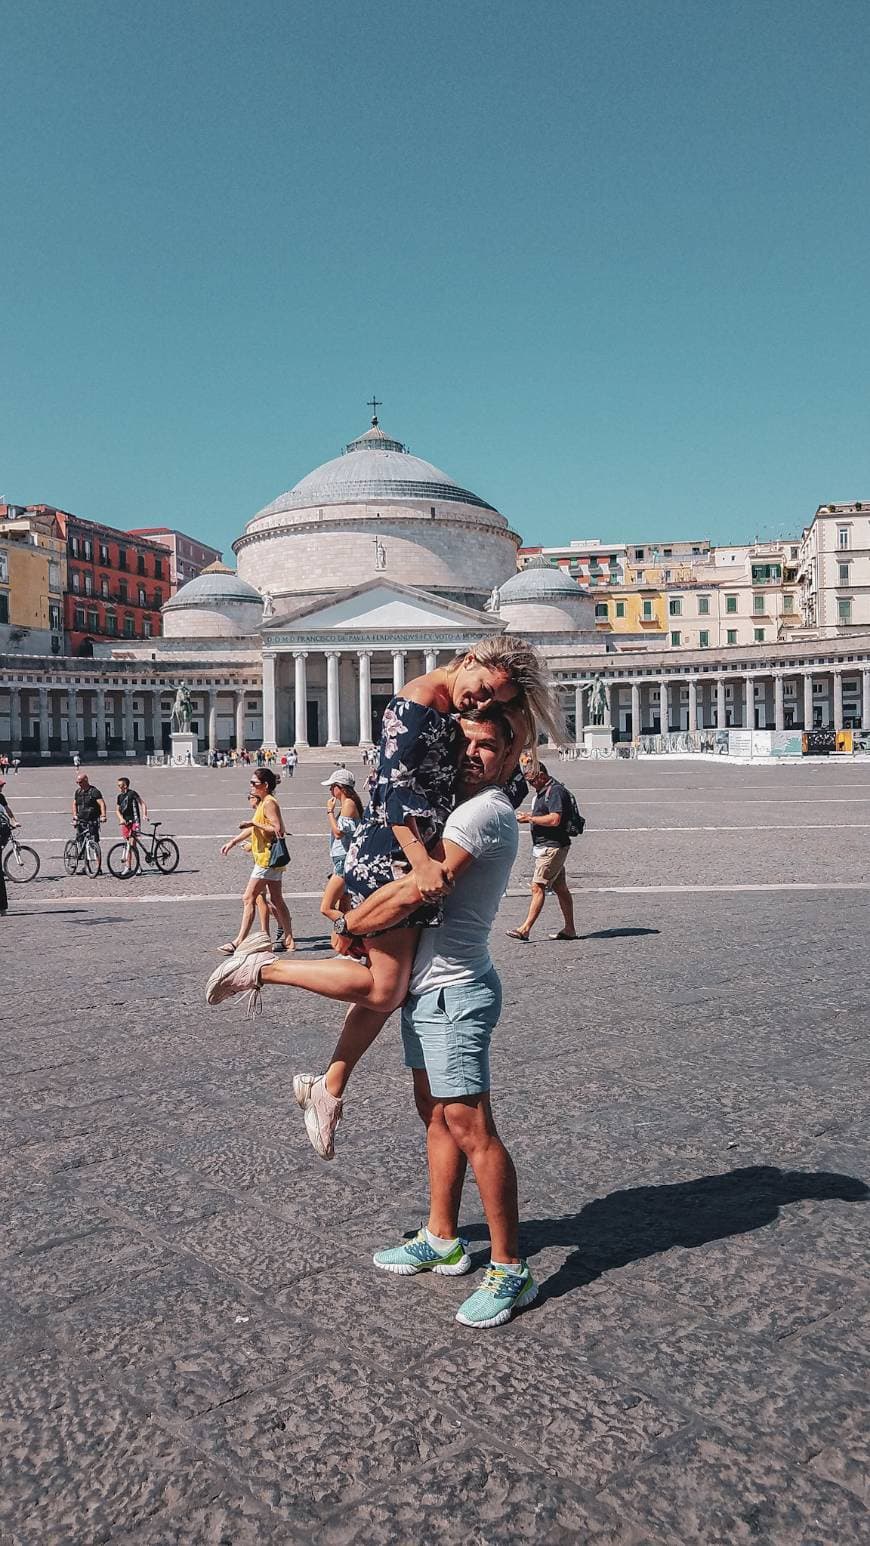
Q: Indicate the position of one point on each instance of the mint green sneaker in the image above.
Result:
(499, 1295)
(417, 1255)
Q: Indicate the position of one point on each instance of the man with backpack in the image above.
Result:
(554, 819)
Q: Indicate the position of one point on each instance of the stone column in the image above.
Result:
(431, 659)
(721, 711)
(865, 699)
(778, 704)
(608, 705)
(239, 706)
(100, 711)
(129, 743)
(15, 718)
(398, 670)
(749, 703)
(808, 700)
(43, 722)
(212, 721)
(664, 708)
(579, 715)
(270, 707)
(636, 725)
(365, 694)
(333, 707)
(72, 720)
(693, 703)
(838, 700)
(300, 696)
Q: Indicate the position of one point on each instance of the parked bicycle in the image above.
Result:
(125, 859)
(82, 852)
(21, 863)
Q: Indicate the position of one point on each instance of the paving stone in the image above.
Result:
(53, 1276)
(715, 1489)
(149, 1192)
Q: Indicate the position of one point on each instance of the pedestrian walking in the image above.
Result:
(7, 824)
(552, 818)
(344, 810)
(264, 829)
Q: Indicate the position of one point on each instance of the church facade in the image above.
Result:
(371, 569)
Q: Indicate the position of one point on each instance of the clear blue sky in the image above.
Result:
(606, 263)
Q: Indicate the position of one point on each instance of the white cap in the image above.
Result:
(340, 776)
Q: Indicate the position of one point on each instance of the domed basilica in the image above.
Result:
(368, 571)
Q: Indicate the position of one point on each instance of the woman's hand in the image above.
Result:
(433, 880)
(226, 848)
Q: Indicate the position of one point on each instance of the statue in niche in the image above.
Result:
(492, 604)
(182, 709)
(268, 605)
(380, 554)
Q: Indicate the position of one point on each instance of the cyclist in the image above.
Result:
(132, 811)
(7, 822)
(88, 809)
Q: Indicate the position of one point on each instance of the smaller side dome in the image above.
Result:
(215, 604)
(539, 581)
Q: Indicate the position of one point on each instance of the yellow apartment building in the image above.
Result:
(32, 578)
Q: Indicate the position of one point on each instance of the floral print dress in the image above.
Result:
(415, 776)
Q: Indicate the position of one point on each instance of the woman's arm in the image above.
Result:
(234, 841)
(274, 819)
(393, 903)
(330, 816)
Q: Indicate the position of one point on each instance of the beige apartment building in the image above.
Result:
(834, 570)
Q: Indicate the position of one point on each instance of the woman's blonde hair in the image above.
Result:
(522, 663)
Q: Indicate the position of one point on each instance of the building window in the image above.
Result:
(54, 617)
(761, 573)
(4, 567)
(94, 621)
(88, 549)
(104, 553)
(843, 573)
(122, 590)
(141, 595)
(74, 546)
(675, 639)
(129, 627)
(704, 639)
(759, 635)
(788, 602)
(75, 581)
(638, 553)
(89, 585)
(667, 552)
(111, 623)
(758, 604)
(79, 617)
(158, 568)
(731, 636)
(54, 576)
(647, 611)
(730, 603)
(844, 609)
(601, 610)
(620, 609)
(140, 564)
(146, 628)
(703, 606)
(157, 601)
(122, 558)
(4, 607)
(675, 606)
(842, 537)
(104, 587)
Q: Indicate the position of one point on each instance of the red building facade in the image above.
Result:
(116, 584)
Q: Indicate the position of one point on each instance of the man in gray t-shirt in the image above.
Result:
(447, 1025)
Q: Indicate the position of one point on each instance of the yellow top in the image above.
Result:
(260, 843)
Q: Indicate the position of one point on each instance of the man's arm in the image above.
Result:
(392, 904)
(143, 809)
(102, 804)
(553, 820)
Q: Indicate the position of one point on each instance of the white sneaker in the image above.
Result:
(240, 974)
(323, 1112)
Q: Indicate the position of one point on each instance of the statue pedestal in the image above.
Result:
(597, 738)
(185, 746)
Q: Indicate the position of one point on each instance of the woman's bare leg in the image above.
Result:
(382, 985)
(333, 890)
(361, 1027)
(263, 913)
(278, 906)
(252, 891)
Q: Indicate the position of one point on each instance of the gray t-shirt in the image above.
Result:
(486, 827)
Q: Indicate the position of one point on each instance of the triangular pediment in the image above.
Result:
(379, 606)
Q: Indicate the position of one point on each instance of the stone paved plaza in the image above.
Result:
(197, 1348)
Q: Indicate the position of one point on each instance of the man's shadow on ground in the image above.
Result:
(644, 1221)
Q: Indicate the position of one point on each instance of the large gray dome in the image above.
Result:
(372, 467)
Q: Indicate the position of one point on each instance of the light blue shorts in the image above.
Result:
(447, 1032)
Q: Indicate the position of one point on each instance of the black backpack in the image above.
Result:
(574, 820)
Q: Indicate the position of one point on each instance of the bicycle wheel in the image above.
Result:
(92, 856)
(166, 855)
(117, 859)
(21, 864)
(71, 856)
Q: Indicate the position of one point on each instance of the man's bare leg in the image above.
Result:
(446, 1161)
(536, 906)
(470, 1124)
(566, 902)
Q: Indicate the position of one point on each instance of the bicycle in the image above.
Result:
(21, 863)
(125, 858)
(84, 850)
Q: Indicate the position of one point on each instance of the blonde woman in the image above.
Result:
(260, 832)
(412, 797)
